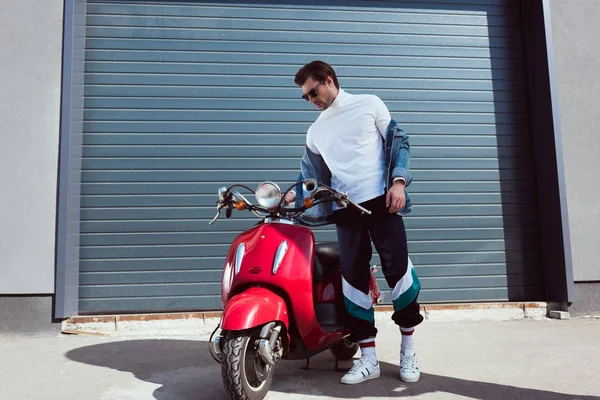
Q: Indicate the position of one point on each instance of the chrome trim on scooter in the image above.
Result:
(279, 254)
(239, 256)
(266, 346)
(214, 347)
(265, 351)
(270, 220)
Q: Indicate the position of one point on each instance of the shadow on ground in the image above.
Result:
(185, 371)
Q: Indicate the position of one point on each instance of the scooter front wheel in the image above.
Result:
(245, 375)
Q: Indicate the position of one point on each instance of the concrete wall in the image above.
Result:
(30, 78)
(576, 29)
(587, 300)
(27, 316)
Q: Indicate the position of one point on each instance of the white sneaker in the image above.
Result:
(409, 371)
(362, 371)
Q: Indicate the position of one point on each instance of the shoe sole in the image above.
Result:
(373, 376)
(410, 380)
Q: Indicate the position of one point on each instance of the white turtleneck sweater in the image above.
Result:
(349, 136)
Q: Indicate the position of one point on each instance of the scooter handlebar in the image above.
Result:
(227, 199)
(341, 198)
(361, 208)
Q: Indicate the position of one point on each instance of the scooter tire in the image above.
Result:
(239, 368)
(345, 349)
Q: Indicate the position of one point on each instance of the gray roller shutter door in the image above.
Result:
(181, 98)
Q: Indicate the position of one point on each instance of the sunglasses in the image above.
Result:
(312, 92)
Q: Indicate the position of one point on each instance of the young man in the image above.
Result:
(351, 139)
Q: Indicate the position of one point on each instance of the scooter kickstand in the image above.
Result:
(338, 369)
(306, 367)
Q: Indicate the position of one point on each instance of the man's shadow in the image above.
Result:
(186, 371)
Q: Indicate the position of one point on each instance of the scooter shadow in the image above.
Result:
(185, 371)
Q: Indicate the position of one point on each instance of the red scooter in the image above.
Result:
(281, 291)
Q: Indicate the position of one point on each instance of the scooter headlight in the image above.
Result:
(268, 195)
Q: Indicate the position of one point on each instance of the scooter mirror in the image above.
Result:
(310, 185)
(221, 193)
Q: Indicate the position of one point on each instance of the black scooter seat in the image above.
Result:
(327, 261)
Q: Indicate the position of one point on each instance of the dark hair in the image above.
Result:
(318, 70)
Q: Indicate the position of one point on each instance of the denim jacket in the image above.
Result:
(397, 160)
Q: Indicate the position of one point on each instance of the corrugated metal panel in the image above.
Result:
(182, 98)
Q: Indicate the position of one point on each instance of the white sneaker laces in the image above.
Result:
(409, 362)
(357, 366)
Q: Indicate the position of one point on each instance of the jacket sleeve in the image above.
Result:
(297, 188)
(401, 157)
(313, 167)
(307, 171)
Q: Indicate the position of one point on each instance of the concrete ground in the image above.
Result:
(526, 359)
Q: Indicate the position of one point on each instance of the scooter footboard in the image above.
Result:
(254, 307)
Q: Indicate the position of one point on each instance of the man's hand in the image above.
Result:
(290, 198)
(395, 198)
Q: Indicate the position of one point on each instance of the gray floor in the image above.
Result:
(481, 360)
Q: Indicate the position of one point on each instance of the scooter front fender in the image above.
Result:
(252, 308)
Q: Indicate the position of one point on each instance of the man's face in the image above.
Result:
(321, 94)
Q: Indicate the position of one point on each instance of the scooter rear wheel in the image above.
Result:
(245, 375)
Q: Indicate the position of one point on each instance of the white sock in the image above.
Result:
(407, 347)
(367, 348)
